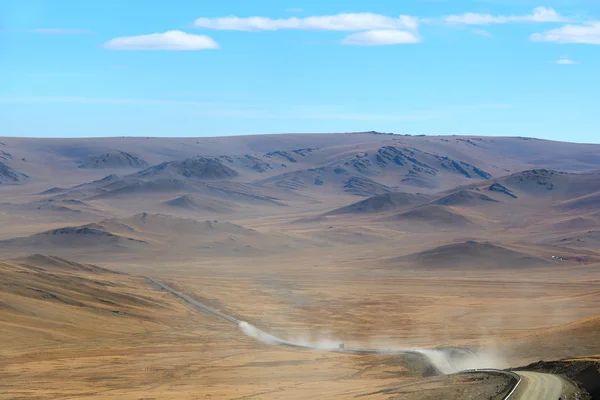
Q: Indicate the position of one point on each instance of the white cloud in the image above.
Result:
(381, 37)
(338, 22)
(587, 34)
(60, 31)
(171, 40)
(481, 32)
(566, 61)
(540, 14)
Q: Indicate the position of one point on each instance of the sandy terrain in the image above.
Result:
(368, 240)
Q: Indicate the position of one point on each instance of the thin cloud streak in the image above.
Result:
(482, 32)
(338, 22)
(539, 15)
(171, 40)
(581, 34)
(381, 38)
(566, 61)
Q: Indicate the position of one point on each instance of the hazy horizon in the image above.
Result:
(463, 67)
(298, 133)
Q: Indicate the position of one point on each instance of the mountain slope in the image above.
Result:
(552, 184)
(472, 254)
(200, 204)
(51, 302)
(114, 159)
(200, 168)
(383, 202)
(158, 236)
(590, 202)
(433, 214)
(88, 239)
(10, 176)
(465, 198)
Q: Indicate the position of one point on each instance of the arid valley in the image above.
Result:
(332, 242)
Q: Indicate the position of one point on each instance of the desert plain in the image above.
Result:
(366, 240)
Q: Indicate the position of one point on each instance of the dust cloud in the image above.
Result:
(446, 361)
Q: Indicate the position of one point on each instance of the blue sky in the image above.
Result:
(199, 68)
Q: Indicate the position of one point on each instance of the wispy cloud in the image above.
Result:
(481, 32)
(566, 61)
(585, 34)
(171, 40)
(61, 31)
(294, 10)
(381, 37)
(539, 15)
(338, 22)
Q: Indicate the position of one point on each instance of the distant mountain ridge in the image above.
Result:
(114, 159)
(9, 175)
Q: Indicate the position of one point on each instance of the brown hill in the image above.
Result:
(71, 210)
(362, 186)
(10, 176)
(589, 240)
(575, 224)
(383, 202)
(88, 239)
(434, 214)
(51, 301)
(201, 204)
(131, 187)
(590, 202)
(200, 168)
(471, 254)
(576, 339)
(114, 159)
(465, 198)
(161, 225)
(498, 188)
(557, 185)
(146, 235)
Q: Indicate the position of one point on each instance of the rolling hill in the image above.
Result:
(199, 168)
(157, 235)
(201, 204)
(9, 175)
(114, 159)
(433, 214)
(590, 202)
(49, 301)
(472, 254)
(383, 202)
(393, 161)
(466, 198)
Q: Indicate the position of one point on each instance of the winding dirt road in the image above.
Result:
(535, 385)
(531, 386)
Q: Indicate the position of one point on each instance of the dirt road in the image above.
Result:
(534, 386)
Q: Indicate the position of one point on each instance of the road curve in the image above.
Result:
(535, 385)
